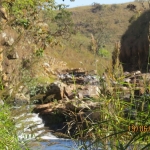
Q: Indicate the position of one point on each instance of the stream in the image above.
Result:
(31, 130)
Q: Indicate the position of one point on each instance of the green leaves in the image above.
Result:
(39, 52)
(8, 138)
(104, 53)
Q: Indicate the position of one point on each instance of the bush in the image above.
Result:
(97, 7)
(104, 53)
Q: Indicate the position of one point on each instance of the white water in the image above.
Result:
(30, 126)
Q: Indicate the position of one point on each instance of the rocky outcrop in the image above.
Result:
(7, 39)
(58, 114)
(66, 105)
(3, 13)
(134, 51)
(75, 102)
(73, 84)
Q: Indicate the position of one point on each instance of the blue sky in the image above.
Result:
(89, 2)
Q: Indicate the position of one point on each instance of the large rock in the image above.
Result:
(134, 51)
(89, 91)
(48, 93)
(7, 39)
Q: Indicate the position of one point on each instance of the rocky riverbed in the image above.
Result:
(77, 95)
(76, 100)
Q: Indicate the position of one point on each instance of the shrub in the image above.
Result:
(97, 7)
(39, 52)
(104, 53)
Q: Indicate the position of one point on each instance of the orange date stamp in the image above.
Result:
(141, 128)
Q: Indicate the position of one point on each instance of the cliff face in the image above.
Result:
(12, 54)
(134, 44)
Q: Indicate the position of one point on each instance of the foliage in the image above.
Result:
(102, 36)
(113, 126)
(104, 53)
(97, 7)
(28, 81)
(8, 137)
(65, 23)
(99, 37)
(33, 30)
(28, 17)
(39, 52)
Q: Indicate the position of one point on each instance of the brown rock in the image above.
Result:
(3, 13)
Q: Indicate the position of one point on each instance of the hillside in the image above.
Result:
(114, 19)
(106, 23)
(111, 23)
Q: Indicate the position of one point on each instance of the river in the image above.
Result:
(31, 130)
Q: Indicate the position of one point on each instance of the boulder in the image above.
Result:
(13, 55)
(7, 39)
(134, 51)
(89, 91)
(48, 93)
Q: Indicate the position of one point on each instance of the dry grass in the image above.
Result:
(75, 51)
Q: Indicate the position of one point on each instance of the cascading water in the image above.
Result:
(31, 127)
(31, 130)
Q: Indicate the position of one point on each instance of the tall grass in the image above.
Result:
(8, 136)
(121, 123)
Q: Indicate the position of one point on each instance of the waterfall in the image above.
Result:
(30, 126)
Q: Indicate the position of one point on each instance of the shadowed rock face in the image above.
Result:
(134, 44)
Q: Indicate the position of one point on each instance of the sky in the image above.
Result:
(77, 3)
